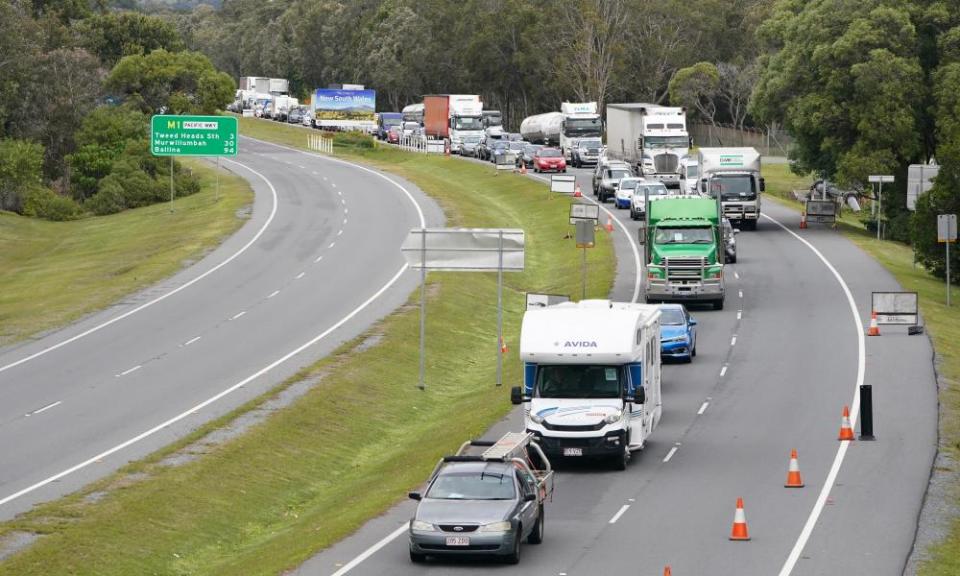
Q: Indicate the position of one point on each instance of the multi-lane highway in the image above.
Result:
(317, 263)
(773, 372)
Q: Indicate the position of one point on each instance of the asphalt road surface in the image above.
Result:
(316, 264)
(773, 372)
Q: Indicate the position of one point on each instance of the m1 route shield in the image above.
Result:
(193, 135)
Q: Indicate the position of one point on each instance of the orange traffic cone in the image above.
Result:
(739, 531)
(667, 572)
(576, 192)
(803, 221)
(793, 473)
(609, 223)
(523, 167)
(874, 329)
(503, 346)
(846, 430)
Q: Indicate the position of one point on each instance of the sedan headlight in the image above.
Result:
(535, 419)
(613, 418)
(422, 526)
(504, 526)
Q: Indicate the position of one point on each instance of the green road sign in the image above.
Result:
(193, 136)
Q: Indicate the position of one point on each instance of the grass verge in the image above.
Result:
(943, 325)
(355, 443)
(57, 272)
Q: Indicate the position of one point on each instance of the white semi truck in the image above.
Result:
(651, 137)
(591, 378)
(575, 120)
(733, 174)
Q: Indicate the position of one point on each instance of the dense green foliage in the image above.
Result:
(868, 87)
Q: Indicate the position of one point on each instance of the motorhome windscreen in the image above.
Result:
(479, 485)
(468, 123)
(492, 120)
(582, 127)
(579, 381)
(733, 187)
(666, 142)
(684, 236)
(390, 122)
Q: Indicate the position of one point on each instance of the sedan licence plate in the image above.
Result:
(458, 540)
(573, 451)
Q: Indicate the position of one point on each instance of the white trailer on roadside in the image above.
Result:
(591, 378)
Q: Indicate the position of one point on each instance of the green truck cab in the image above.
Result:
(683, 249)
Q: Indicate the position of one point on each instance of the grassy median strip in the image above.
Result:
(56, 272)
(942, 323)
(356, 442)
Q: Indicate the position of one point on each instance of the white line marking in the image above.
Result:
(301, 167)
(633, 242)
(723, 371)
(184, 286)
(372, 550)
(619, 513)
(129, 370)
(44, 409)
(733, 341)
(332, 244)
(339, 193)
(319, 258)
(248, 379)
(671, 453)
(334, 184)
(340, 232)
(739, 314)
(274, 293)
(285, 147)
(741, 293)
(300, 275)
(191, 341)
(238, 314)
(346, 211)
(736, 275)
(703, 408)
(315, 173)
(801, 542)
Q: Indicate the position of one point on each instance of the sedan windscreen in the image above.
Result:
(472, 486)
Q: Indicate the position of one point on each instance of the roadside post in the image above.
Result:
(194, 136)
(585, 218)
(879, 179)
(947, 234)
(866, 412)
(463, 250)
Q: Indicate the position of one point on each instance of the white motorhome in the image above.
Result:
(733, 174)
(591, 378)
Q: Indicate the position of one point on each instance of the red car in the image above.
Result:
(393, 135)
(549, 159)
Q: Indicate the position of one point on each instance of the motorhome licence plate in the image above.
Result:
(573, 451)
(458, 540)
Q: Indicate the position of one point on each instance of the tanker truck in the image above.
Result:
(575, 120)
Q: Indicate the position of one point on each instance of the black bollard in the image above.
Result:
(866, 412)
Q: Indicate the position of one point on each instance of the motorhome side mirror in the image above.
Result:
(530, 497)
(763, 185)
(415, 496)
(516, 395)
(640, 396)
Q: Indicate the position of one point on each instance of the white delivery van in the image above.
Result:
(591, 378)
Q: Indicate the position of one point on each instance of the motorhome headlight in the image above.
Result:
(613, 417)
(504, 526)
(421, 526)
(535, 419)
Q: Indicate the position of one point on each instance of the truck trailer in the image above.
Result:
(453, 116)
(733, 176)
(591, 378)
(683, 251)
(651, 137)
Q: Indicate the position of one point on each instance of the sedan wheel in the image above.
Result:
(514, 556)
(536, 537)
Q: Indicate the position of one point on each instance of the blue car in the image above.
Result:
(678, 333)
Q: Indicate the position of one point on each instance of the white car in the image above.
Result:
(307, 119)
(646, 189)
(625, 190)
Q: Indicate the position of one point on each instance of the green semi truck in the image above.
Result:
(683, 247)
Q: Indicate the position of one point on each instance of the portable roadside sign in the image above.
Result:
(193, 135)
(896, 308)
(586, 234)
(563, 183)
(946, 228)
(583, 211)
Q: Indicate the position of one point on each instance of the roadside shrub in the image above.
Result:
(21, 165)
(353, 139)
(127, 186)
(40, 202)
